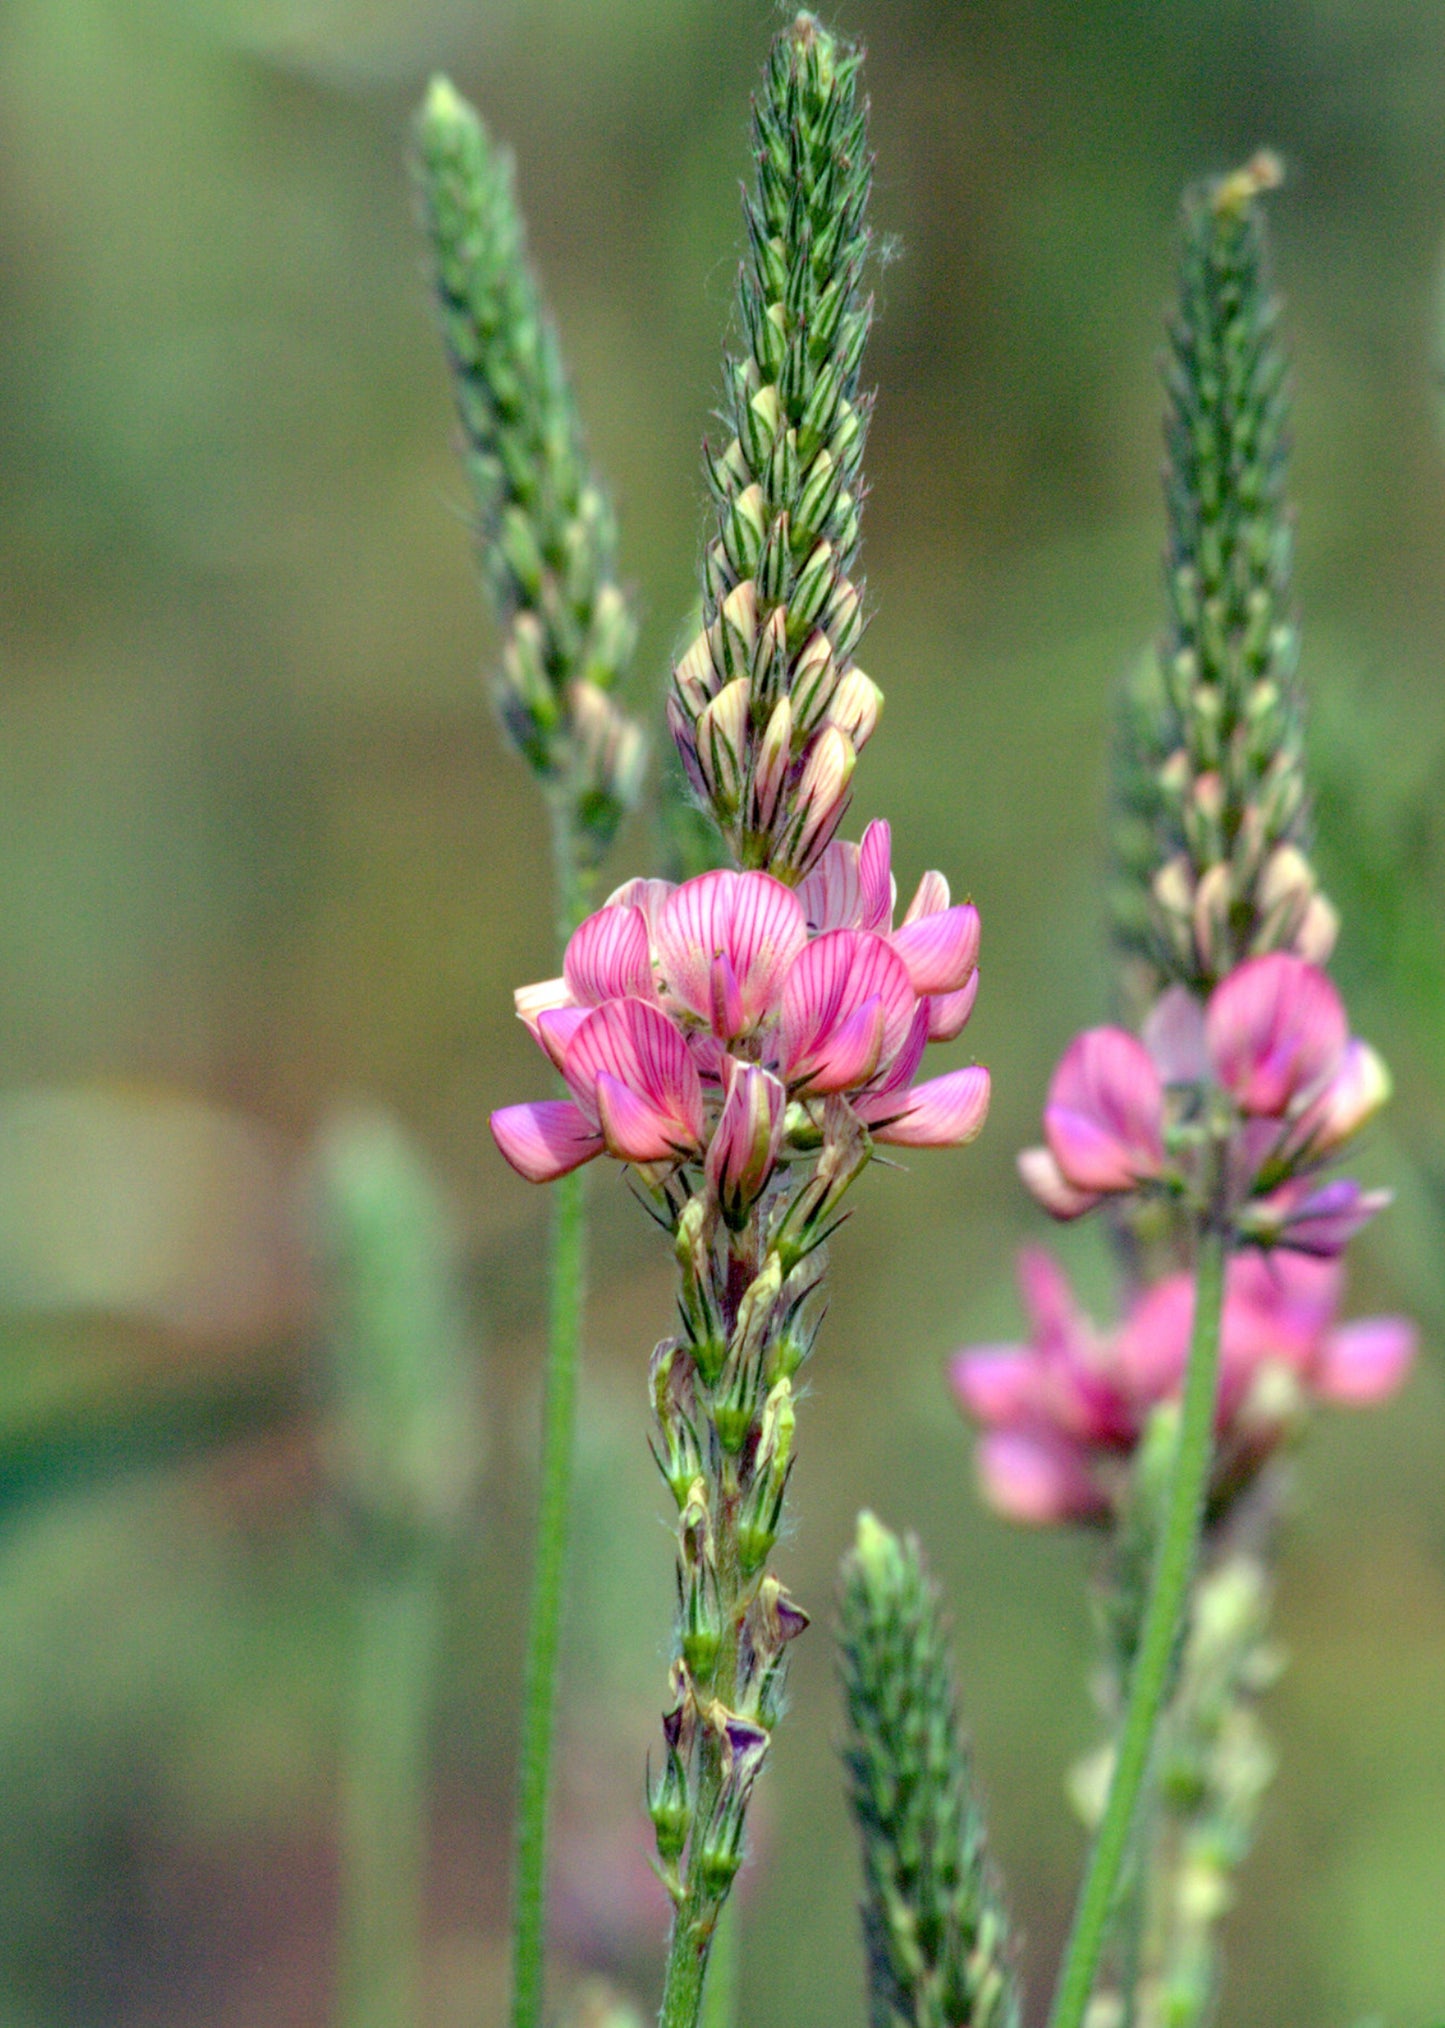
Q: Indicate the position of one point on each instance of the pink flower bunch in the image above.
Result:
(701, 1022)
(1269, 1058)
(1063, 1413)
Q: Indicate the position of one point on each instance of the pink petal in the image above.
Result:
(1151, 1346)
(848, 1056)
(948, 1012)
(1275, 1029)
(1365, 1362)
(940, 950)
(532, 1002)
(1174, 1037)
(1042, 1178)
(634, 1128)
(946, 1112)
(555, 1028)
(752, 919)
(1037, 1480)
(827, 984)
(931, 898)
(544, 1140)
(832, 893)
(608, 957)
(995, 1384)
(1105, 1116)
(745, 1143)
(633, 1042)
(880, 1101)
(875, 877)
(648, 895)
(1054, 1316)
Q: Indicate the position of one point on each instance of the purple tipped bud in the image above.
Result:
(745, 1745)
(1319, 1220)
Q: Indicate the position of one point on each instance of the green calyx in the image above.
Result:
(934, 1928)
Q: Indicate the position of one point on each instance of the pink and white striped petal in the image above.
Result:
(875, 877)
(555, 1029)
(945, 1112)
(832, 894)
(827, 984)
(948, 1013)
(930, 898)
(848, 1055)
(1276, 1030)
(634, 1129)
(608, 957)
(531, 1002)
(745, 1143)
(546, 1139)
(940, 950)
(1104, 1120)
(751, 919)
(633, 1043)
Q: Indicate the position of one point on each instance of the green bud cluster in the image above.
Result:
(768, 709)
(546, 534)
(402, 1428)
(934, 1928)
(1211, 829)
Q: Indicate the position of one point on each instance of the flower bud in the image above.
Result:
(842, 619)
(693, 676)
(721, 744)
(1213, 898)
(1348, 1102)
(701, 1628)
(822, 793)
(810, 593)
(769, 670)
(1315, 937)
(814, 679)
(524, 671)
(770, 765)
(746, 1140)
(854, 707)
(670, 1809)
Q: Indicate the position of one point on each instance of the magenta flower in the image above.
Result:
(1062, 1413)
(724, 942)
(1276, 1032)
(1104, 1120)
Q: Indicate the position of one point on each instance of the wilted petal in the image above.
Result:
(1365, 1362)
(1105, 1114)
(948, 1012)
(828, 984)
(1275, 1030)
(1045, 1183)
(749, 918)
(1037, 1480)
(633, 1043)
(608, 957)
(546, 1139)
(946, 1112)
(940, 950)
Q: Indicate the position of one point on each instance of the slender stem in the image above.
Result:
(566, 1264)
(383, 1841)
(1153, 1666)
(719, 2001)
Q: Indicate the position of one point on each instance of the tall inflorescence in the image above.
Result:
(1211, 834)
(745, 1039)
(768, 709)
(934, 1929)
(546, 536)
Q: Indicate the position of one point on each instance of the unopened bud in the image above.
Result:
(854, 707)
(1315, 937)
(822, 793)
(810, 593)
(694, 677)
(743, 529)
(721, 744)
(770, 765)
(669, 1807)
(524, 672)
(813, 681)
(842, 618)
(1213, 898)
(746, 1140)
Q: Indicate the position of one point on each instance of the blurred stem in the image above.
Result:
(719, 2000)
(1158, 1642)
(383, 1841)
(566, 1266)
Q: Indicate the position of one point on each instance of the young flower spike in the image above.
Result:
(781, 614)
(1211, 825)
(934, 1928)
(545, 531)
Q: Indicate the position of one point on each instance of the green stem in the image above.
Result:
(1153, 1666)
(719, 2005)
(383, 1837)
(566, 1262)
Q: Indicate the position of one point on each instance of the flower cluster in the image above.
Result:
(1266, 1071)
(711, 1022)
(1063, 1414)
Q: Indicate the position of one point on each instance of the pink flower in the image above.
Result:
(1312, 1218)
(1104, 1119)
(1063, 1412)
(847, 1008)
(724, 942)
(1276, 1031)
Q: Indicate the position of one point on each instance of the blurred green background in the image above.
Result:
(264, 855)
